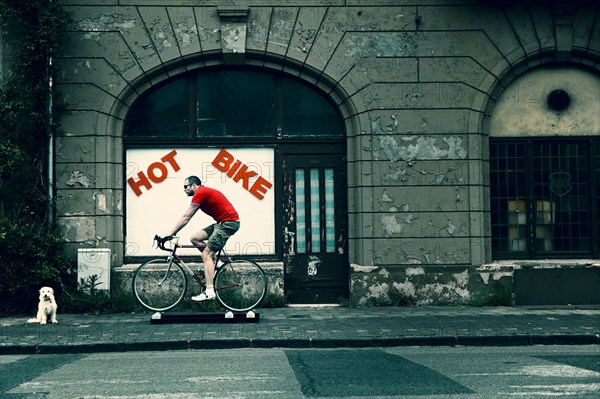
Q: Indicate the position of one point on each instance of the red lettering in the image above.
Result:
(244, 175)
(234, 168)
(223, 161)
(170, 158)
(163, 172)
(260, 187)
(135, 185)
(153, 169)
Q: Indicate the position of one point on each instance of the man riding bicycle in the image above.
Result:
(213, 203)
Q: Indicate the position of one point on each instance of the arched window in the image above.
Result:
(545, 166)
(233, 103)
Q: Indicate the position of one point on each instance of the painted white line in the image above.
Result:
(560, 390)
(559, 370)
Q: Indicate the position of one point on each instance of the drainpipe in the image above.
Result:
(50, 147)
(50, 207)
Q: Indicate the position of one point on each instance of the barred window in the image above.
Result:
(545, 196)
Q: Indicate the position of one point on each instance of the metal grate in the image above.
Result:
(542, 201)
(508, 183)
(561, 195)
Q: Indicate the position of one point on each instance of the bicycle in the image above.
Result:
(161, 284)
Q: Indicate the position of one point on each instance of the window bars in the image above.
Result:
(544, 198)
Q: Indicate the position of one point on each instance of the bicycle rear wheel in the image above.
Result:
(159, 285)
(240, 285)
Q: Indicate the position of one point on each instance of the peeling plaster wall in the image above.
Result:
(429, 286)
(416, 84)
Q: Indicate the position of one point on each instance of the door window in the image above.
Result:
(329, 211)
(318, 205)
(315, 214)
(300, 212)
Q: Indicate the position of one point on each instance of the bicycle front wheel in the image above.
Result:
(159, 285)
(240, 285)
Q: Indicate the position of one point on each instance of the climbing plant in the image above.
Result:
(30, 245)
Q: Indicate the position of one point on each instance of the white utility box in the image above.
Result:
(94, 261)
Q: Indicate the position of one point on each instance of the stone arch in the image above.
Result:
(267, 62)
(161, 73)
(308, 74)
(499, 84)
(502, 75)
(488, 93)
(493, 89)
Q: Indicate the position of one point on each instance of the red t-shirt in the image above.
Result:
(214, 204)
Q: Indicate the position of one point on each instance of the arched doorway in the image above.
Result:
(271, 126)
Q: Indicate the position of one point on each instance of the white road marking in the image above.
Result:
(559, 370)
(559, 390)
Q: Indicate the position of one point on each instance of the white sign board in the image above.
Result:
(94, 263)
(155, 198)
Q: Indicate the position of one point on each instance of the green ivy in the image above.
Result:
(31, 30)
(30, 247)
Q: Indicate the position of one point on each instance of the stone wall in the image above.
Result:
(415, 81)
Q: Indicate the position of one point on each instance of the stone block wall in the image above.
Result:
(416, 83)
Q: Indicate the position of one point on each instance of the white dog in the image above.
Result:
(46, 307)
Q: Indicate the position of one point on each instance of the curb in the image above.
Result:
(515, 340)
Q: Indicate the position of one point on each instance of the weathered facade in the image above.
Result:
(429, 94)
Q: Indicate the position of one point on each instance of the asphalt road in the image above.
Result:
(395, 372)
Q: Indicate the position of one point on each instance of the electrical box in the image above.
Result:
(94, 262)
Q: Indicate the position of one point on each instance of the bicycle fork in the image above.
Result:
(170, 265)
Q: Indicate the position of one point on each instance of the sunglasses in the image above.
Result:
(185, 186)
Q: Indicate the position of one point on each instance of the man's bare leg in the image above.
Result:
(209, 266)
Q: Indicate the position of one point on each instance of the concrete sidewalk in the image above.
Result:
(299, 327)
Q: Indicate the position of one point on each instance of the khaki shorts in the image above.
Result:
(219, 233)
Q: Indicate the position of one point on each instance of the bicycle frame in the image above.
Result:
(221, 256)
(160, 284)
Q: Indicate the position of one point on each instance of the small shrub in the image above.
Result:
(87, 298)
(501, 295)
(274, 301)
(400, 298)
(123, 301)
(498, 295)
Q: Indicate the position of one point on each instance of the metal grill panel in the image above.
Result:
(544, 198)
